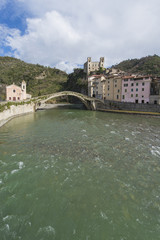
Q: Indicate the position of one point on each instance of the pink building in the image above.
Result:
(16, 93)
(136, 89)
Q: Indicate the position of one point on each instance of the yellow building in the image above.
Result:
(113, 88)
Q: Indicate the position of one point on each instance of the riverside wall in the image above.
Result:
(127, 106)
(15, 111)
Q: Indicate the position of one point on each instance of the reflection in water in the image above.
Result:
(70, 174)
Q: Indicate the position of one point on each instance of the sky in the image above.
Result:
(62, 34)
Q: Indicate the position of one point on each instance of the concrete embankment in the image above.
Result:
(130, 108)
(15, 111)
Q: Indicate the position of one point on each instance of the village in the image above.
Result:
(116, 85)
(109, 84)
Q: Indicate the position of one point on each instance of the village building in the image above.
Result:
(16, 93)
(112, 88)
(155, 91)
(90, 66)
(136, 89)
(96, 86)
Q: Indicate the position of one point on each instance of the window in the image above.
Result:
(123, 97)
(142, 101)
(136, 101)
(142, 96)
(125, 80)
(118, 90)
(117, 96)
(136, 95)
(115, 81)
(143, 83)
(23, 87)
(108, 88)
(131, 95)
(9, 98)
(136, 89)
(125, 90)
(14, 90)
(108, 81)
(126, 85)
(131, 89)
(18, 98)
(142, 89)
(115, 85)
(137, 84)
(132, 84)
(108, 94)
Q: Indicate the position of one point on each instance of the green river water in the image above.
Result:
(81, 175)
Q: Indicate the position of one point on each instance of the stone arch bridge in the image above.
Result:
(90, 103)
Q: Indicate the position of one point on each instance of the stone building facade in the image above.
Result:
(16, 93)
(96, 86)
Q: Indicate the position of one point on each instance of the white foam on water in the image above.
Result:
(14, 171)
(8, 217)
(127, 139)
(103, 215)
(21, 165)
(83, 130)
(7, 227)
(49, 230)
(3, 163)
(85, 135)
(113, 132)
(13, 155)
(1, 181)
(155, 151)
(106, 125)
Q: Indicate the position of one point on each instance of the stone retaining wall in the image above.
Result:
(15, 111)
(129, 106)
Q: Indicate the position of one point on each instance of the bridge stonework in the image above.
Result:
(90, 103)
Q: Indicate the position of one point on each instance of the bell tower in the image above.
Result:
(23, 89)
(23, 86)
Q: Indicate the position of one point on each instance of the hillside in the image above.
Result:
(146, 65)
(40, 80)
(76, 81)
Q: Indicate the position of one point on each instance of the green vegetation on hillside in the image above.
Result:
(77, 81)
(40, 80)
(146, 65)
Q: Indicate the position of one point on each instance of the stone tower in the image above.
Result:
(101, 63)
(23, 87)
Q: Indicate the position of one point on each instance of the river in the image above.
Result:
(81, 175)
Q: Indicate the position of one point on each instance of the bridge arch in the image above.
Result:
(87, 101)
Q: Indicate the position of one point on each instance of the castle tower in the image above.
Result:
(89, 59)
(101, 63)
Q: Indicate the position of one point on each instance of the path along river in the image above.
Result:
(81, 175)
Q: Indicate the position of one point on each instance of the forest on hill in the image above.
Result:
(40, 80)
(149, 65)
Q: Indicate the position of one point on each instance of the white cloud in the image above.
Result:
(64, 33)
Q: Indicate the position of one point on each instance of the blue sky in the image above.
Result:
(64, 33)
